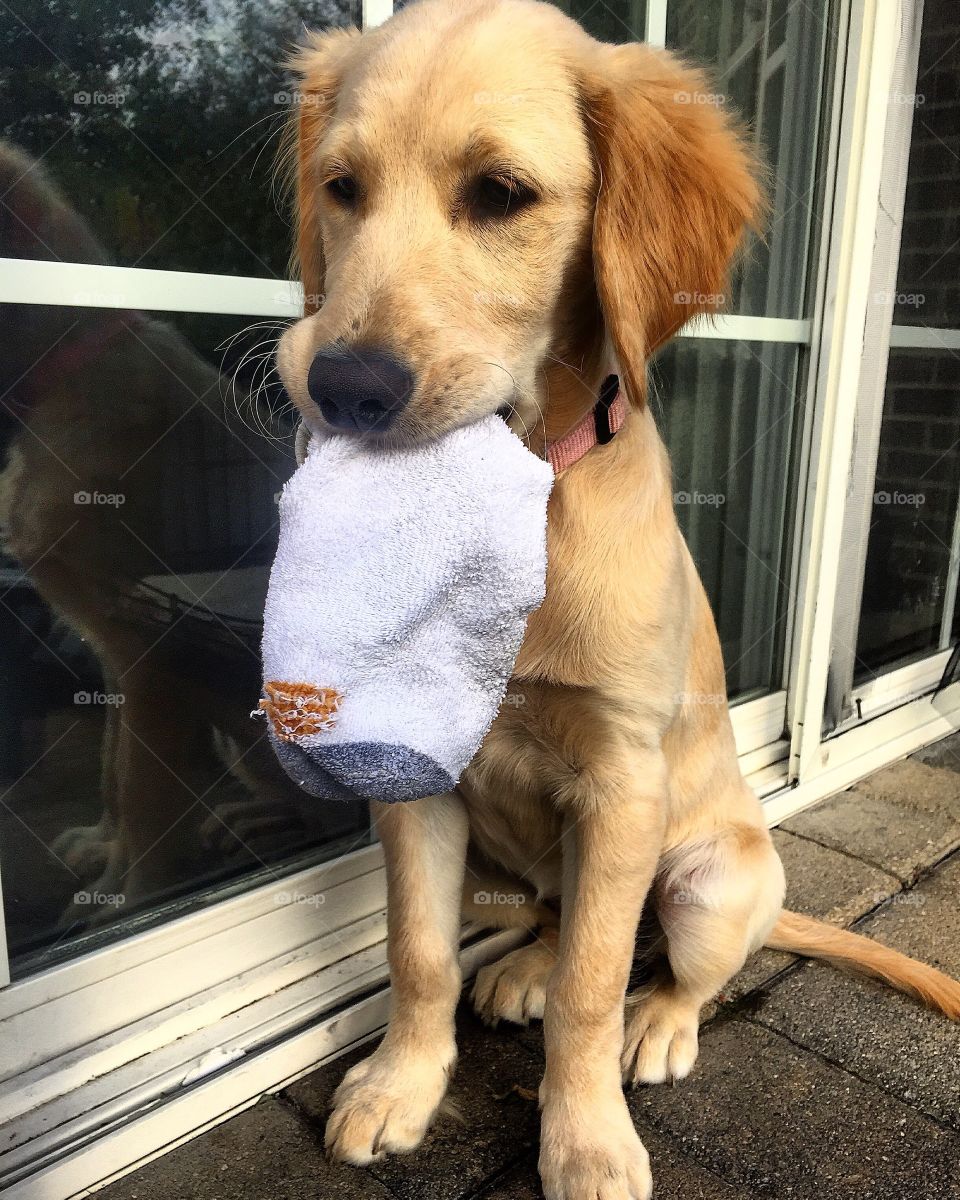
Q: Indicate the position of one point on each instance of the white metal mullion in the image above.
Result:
(4, 949)
(822, 287)
(859, 508)
(923, 337)
(733, 327)
(950, 591)
(92, 285)
(655, 24)
(875, 30)
(375, 12)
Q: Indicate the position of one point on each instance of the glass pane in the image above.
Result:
(138, 507)
(610, 21)
(728, 415)
(160, 120)
(766, 60)
(928, 291)
(914, 510)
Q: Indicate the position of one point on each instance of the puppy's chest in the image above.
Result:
(513, 788)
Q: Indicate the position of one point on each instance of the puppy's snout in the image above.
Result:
(359, 390)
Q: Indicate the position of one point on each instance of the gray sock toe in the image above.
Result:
(382, 772)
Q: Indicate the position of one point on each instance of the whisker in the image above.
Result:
(270, 116)
(513, 408)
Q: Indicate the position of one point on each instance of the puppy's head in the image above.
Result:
(488, 203)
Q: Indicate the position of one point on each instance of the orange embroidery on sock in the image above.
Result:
(297, 710)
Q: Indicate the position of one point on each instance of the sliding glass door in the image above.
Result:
(143, 452)
(895, 634)
(185, 930)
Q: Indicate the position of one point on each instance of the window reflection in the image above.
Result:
(728, 414)
(138, 508)
(160, 118)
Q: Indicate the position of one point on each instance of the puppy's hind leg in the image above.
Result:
(717, 900)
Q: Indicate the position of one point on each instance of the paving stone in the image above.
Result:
(873, 1031)
(312, 1094)
(675, 1177)
(925, 923)
(489, 1125)
(820, 883)
(944, 754)
(827, 884)
(831, 1088)
(880, 828)
(778, 1121)
(264, 1152)
(917, 784)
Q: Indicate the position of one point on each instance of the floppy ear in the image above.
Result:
(677, 186)
(319, 66)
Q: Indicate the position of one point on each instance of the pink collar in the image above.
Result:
(596, 429)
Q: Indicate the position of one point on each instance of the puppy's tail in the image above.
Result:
(851, 952)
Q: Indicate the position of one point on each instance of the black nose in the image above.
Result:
(359, 390)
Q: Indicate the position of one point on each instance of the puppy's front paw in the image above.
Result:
(385, 1105)
(594, 1154)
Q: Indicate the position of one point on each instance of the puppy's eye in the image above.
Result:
(498, 196)
(344, 190)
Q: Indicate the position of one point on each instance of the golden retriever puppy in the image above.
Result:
(496, 212)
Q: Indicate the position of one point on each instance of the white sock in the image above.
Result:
(397, 605)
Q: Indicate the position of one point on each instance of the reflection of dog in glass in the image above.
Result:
(111, 424)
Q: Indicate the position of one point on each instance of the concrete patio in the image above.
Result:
(809, 1083)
